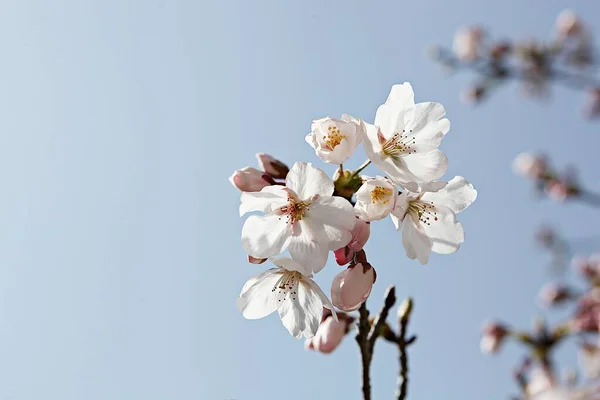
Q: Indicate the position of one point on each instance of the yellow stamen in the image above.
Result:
(381, 195)
(334, 137)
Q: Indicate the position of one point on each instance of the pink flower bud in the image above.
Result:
(351, 287)
(272, 166)
(557, 190)
(473, 95)
(328, 336)
(592, 107)
(568, 24)
(492, 338)
(249, 179)
(588, 267)
(554, 294)
(467, 43)
(254, 260)
(530, 165)
(344, 255)
(360, 234)
(587, 314)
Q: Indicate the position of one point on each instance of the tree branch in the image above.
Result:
(390, 300)
(362, 332)
(404, 312)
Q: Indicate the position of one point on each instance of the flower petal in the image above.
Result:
(457, 195)
(425, 123)
(264, 236)
(425, 167)
(267, 200)
(290, 265)
(307, 180)
(445, 233)
(324, 299)
(293, 317)
(307, 246)
(256, 299)
(389, 116)
(311, 303)
(376, 198)
(415, 242)
(337, 217)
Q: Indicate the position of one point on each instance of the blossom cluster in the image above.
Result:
(556, 185)
(568, 58)
(536, 374)
(304, 213)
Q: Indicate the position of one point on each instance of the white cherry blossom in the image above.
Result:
(302, 217)
(405, 138)
(376, 198)
(335, 140)
(428, 217)
(291, 292)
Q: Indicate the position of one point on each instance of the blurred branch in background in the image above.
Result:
(559, 186)
(569, 59)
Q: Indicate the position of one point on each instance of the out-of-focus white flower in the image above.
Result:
(557, 189)
(249, 179)
(530, 165)
(289, 290)
(405, 138)
(427, 217)
(376, 198)
(539, 383)
(492, 337)
(568, 24)
(589, 360)
(272, 166)
(302, 217)
(467, 43)
(351, 287)
(335, 140)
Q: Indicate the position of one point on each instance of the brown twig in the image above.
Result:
(362, 332)
(366, 336)
(404, 312)
(390, 300)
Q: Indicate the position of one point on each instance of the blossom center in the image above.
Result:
(287, 286)
(294, 211)
(333, 138)
(398, 145)
(381, 195)
(424, 212)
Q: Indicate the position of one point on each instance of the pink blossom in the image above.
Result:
(344, 255)
(360, 234)
(557, 190)
(467, 42)
(568, 24)
(351, 287)
(587, 314)
(588, 267)
(249, 179)
(530, 165)
(592, 108)
(272, 166)
(493, 337)
(553, 294)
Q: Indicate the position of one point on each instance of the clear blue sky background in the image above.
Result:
(120, 261)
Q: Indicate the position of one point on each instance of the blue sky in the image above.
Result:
(120, 123)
